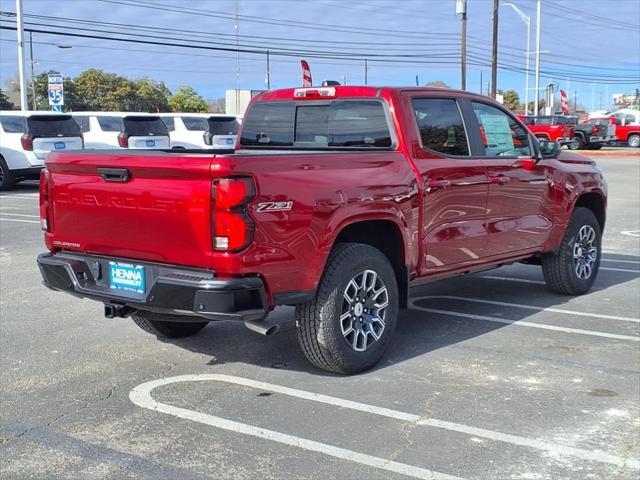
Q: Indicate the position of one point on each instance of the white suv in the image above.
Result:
(122, 130)
(27, 137)
(201, 130)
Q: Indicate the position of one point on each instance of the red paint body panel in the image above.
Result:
(164, 212)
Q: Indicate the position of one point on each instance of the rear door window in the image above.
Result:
(144, 126)
(170, 123)
(83, 123)
(13, 124)
(53, 126)
(336, 124)
(441, 126)
(110, 124)
(222, 125)
(195, 123)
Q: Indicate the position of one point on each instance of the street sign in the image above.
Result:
(56, 92)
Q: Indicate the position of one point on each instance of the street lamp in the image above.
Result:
(527, 20)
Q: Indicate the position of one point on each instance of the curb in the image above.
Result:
(598, 153)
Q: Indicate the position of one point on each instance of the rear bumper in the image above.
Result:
(565, 140)
(32, 173)
(170, 289)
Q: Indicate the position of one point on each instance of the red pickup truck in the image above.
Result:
(337, 200)
(627, 126)
(552, 127)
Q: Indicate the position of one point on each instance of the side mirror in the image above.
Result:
(549, 149)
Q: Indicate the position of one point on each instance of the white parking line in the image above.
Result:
(141, 396)
(17, 220)
(543, 326)
(22, 195)
(620, 261)
(610, 269)
(513, 279)
(631, 233)
(533, 307)
(19, 215)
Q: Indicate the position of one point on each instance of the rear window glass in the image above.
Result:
(143, 126)
(440, 125)
(222, 126)
(53, 126)
(338, 124)
(110, 124)
(542, 121)
(170, 123)
(13, 124)
(195, 123)
(83, 123)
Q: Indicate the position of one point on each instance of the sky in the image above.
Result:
(589, 46)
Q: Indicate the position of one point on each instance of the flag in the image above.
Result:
(564, 101)
(306, 74)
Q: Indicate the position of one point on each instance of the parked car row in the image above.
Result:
(26, 137)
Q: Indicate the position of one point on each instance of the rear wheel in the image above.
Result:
(7, 180)
(579, 143)
(634, 141)
(573, 268)
(348, 326)
(163, 325)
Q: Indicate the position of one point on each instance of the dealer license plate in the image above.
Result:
(126, 277)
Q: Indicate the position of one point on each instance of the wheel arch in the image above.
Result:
(595, 202)
(386, 236)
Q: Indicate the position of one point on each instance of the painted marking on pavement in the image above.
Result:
(611, 269)
(141, 396)
(19, 215)
(17, 220)
(543, 326)
(22, 195)
(533, 307)
(620, 261)
(512, 279)
(631, 233)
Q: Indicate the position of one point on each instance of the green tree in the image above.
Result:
(186, 99)
(151, 96)
(511, 100)
(104, 91)
(437, 84)
(5, 103)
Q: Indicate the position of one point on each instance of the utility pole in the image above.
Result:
(494, 53)
(417, 82)
(481, 86)
(33, 72)
(537, 87)
(366, 72)
(461, 9)
(20, 30)
(268, 72)
(237, 28)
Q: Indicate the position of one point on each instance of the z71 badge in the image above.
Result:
(274, 206)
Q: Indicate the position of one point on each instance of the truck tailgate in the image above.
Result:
(144, 206)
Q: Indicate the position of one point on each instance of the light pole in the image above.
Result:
(537, 88)
(527, 20)
(20, 30)
(461, 9)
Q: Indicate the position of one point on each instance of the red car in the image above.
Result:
(556, 128)
(337, 200)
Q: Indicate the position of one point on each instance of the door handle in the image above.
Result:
(499, 179)
(120, 175)
(435, 184)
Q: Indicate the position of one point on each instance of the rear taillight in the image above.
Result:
(594, 130)
(27, 141)
(44, 199)
(207, 138)
(232, 226)
(123, 140)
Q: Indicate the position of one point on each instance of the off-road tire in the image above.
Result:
(317, 321)
(163, 325)
(634, 141)
(7, 180)
(559, 269)
(579, 143)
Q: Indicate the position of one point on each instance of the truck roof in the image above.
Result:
(350, 91)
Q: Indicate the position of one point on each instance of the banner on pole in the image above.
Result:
(306, 74)
(564, 102)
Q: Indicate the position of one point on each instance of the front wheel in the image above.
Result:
(573, 268)
(163, 325)
(349, 324)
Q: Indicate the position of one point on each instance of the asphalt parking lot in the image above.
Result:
(490, 376)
